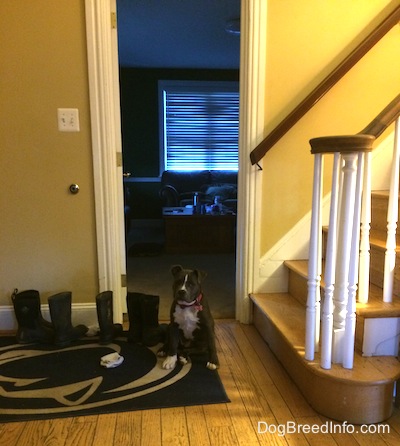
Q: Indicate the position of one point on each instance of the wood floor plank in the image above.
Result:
(151, 427)
(311, 427)
(197, 426)
(105, 429)
(246, 407)
(10, 433)
(35, 433)
(265, 385)
(287, 388)
(58, 432)
(223, 435)
(339, 433)
(128, 428)
(82, 430)
(256, 383)
(174, 427)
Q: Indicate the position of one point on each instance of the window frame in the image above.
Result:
(187, 86)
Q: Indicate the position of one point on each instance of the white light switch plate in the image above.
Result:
(68, 119)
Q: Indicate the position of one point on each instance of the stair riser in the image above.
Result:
(379, 206)
(298, 287)
(377, 265)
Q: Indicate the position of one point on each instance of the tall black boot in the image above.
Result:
(153, 333)
(105, 316)
(60, 312)
(134, 305)
(32, 327)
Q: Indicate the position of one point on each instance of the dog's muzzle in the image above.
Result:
(195, 303)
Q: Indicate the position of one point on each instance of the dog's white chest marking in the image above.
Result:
(187, 320)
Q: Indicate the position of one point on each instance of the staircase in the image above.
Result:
(363, 394)
(338, 335)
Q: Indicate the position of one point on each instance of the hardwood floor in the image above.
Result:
(259, 389)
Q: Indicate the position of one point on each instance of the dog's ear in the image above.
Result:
(201, 275)
(176, 269)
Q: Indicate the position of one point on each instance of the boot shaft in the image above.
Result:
(26, 308)
(105, 315)
(60, 312)
(134, 305)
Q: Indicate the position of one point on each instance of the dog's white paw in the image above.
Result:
(211, 366)
(161, 354)
(169, 362)
(183, 360)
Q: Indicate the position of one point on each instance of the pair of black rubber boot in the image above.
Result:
(143, 319)
(105, 316)
(32, 327)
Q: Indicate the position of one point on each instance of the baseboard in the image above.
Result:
(273, 276)
(81, 314)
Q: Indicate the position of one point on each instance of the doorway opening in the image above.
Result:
(102, 48)
(201, 50)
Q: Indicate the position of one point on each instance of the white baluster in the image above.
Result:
(350, 325)
(343, 254)
(314, 269)
(392, 217)
(329, 276)
(363, 281)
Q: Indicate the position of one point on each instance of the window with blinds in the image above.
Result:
(199, 125)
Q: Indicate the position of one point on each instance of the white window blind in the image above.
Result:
(200, 125)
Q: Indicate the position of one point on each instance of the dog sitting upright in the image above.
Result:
(191, 325)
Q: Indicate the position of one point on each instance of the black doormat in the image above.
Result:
(43, 381)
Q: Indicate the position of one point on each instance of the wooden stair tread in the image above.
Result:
(377, 239)
(380, 193)
(375, 307)
(288, 315)
(362, 395)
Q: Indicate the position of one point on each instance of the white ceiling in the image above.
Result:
(177, 33)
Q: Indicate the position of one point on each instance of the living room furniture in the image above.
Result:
(188, 233)
(178, 188)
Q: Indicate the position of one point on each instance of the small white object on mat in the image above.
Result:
(93, 330)
(111, 360)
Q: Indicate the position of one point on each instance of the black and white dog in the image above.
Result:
(192, 325)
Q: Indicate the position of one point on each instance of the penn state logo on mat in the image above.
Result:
(40, 379)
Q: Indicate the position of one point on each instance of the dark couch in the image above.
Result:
(178, 188)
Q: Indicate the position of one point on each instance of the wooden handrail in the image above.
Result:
(362, 141)
(386, 117)
(281, 129)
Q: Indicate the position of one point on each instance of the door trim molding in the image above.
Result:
(251, 132)
(106, 142)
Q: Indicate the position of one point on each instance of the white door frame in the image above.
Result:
(106, 146)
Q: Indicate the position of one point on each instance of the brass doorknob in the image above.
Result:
(74, 189)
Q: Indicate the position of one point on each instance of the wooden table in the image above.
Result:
(188, 233)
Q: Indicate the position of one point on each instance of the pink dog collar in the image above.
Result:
(196, 303)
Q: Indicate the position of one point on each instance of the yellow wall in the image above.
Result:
(306, 40)
(47, 235)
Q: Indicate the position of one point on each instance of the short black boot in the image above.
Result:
(60, 312)
(32, 327)
(153, 333)
(105, 316)
(134, 305)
